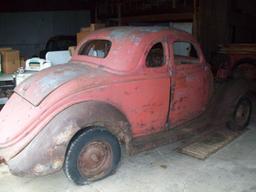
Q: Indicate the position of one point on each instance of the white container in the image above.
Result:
(37, 64)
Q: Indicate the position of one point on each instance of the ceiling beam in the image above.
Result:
(160, 17)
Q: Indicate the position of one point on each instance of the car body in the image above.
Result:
(127, 80)
(235, 61)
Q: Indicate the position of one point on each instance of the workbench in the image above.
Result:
(6, 77)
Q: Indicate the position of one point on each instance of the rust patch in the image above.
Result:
(95, 159)
(65, 136)
(57, 164)
(2, 160)
(39, 168)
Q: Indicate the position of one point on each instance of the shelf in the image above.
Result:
(7, 86)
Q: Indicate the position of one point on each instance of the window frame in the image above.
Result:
(82, 47)
(148, 49)
(196, 47)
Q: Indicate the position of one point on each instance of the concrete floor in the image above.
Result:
(233, 168)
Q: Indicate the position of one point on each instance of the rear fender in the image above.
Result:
(46, 152)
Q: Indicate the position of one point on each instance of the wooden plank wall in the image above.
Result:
(213, 24)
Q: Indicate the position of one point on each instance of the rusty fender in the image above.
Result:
(46, 152)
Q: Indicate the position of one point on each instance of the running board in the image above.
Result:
(168, 136)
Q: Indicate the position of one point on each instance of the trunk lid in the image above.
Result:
(40, 85)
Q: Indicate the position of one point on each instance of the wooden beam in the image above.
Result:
(160, 17)
(173, 3)
(119, 12)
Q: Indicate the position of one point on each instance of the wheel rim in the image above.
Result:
(242, 113)
(95, 159)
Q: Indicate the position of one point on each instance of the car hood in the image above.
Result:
(40, 85)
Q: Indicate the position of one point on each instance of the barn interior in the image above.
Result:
(35, 35)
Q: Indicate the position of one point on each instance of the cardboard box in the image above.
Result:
(85, 29)
(5, 49)
(1, 59)
(72, 50)
(22, 62)
(10, 61)
(95, 26)
(81, 35)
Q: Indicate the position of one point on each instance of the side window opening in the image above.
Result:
(185, 53)
(96, 48)
(155, 57)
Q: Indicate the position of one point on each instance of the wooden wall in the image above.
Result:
(225, 21)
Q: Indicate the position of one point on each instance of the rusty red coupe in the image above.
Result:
(133, 86)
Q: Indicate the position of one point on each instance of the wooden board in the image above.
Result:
(238, 49)
(208, 144)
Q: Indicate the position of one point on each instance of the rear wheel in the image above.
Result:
(91, 156)
(241, 115)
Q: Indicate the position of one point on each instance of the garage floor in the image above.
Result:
(233, 168)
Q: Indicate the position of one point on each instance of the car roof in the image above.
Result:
(128, 44)
(142, 31)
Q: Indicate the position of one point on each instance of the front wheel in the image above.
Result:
(241, 115)
(92, 155)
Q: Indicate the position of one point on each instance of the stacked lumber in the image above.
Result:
(242, 48)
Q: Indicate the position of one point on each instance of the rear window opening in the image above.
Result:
(155, 57)
(96, 48)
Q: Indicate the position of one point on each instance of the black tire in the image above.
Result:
(91, 156)
(241, 115)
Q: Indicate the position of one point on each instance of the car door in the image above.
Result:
(187, 76)
(152, 103)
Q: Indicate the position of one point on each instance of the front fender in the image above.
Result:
(46, 152)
